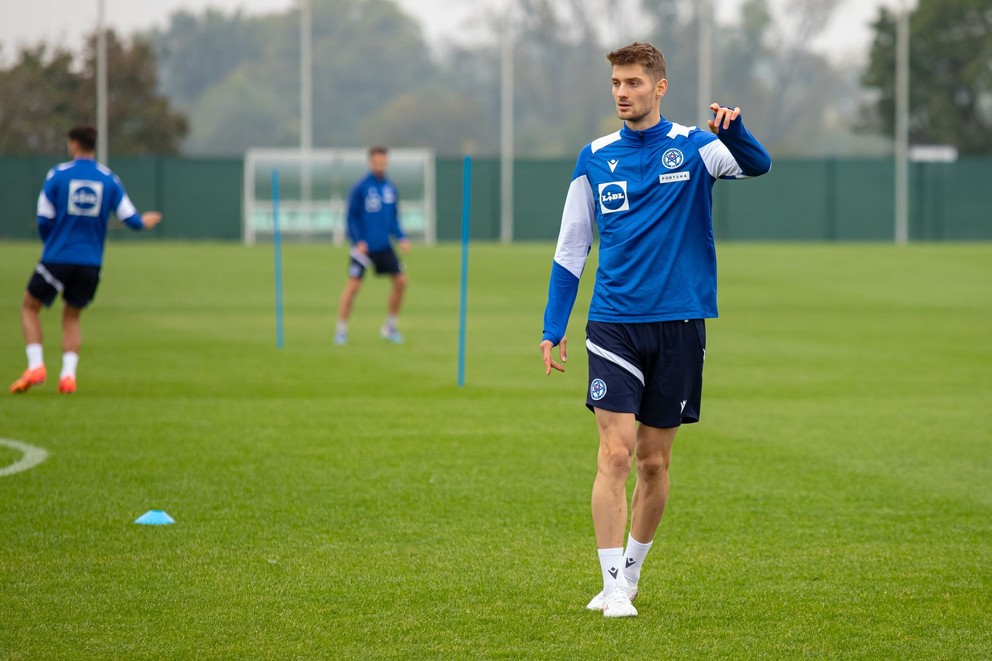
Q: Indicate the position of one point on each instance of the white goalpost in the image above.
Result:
(313, 192)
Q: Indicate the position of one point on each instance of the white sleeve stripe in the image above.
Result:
(45, 207)
(125, 209)
(719, 161)
(577, 218)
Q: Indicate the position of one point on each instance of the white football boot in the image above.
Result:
(597, 602)
(616, 603)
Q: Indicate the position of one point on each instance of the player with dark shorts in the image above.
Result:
(385, 262)
(373, 222)
(77, 283)
(74, 207)
(646, 189)
(653, 370)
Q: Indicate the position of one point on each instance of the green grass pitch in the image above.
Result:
(835, 501)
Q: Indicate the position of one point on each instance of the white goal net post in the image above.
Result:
(313, 192)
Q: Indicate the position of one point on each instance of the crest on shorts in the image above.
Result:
(597, 389)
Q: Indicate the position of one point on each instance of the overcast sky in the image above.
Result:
(26, 22)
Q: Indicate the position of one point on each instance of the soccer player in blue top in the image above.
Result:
(74, 208)
(373, 221)
(648, 190)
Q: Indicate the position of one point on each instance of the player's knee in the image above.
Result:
(653, 466)
(30, 303)
(399, 281)
(615, 461)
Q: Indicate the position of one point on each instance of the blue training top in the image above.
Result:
(74, 207)
(373, 213)
(649, 193)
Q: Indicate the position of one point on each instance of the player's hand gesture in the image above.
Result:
(405, 245)
(549, 363)
(723, 117)
(150, 219)
(362, 247)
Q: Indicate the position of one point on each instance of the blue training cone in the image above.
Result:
(155, 518)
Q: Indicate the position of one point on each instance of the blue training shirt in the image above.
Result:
(373, 213)
(649, 194)
(74, 207)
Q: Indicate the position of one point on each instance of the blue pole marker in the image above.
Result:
(466, 214)
(277, 248)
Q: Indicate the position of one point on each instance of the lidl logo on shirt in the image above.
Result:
(85, 197)
(373, 202)
(613, 197)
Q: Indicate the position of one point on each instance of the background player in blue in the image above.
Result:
(373, 221)
(648, 190)
(74, 208)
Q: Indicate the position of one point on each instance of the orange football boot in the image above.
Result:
(67, 385)
(34, 377)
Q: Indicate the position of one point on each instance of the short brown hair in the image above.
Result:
(639, 53)
(377, 149)
(85, 136)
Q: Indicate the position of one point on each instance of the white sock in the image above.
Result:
(391, 322)
(36, 357)
(342, 326)
(611, 562)
(70, 360)
(633, 558)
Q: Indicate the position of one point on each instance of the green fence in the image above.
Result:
(200, 198)
(799, 200)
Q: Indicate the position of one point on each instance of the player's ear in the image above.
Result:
(661, 87)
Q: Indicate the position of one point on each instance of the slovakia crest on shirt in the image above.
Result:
(672, 158)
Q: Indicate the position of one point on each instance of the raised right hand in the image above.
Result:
(549, 362)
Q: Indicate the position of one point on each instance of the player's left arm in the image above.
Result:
(395, 229)
(749, 154)
(46, 208)
(128, 213)
(137, 221)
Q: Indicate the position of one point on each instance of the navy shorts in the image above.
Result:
(76, 283)
(653, 370)
(385, 262)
